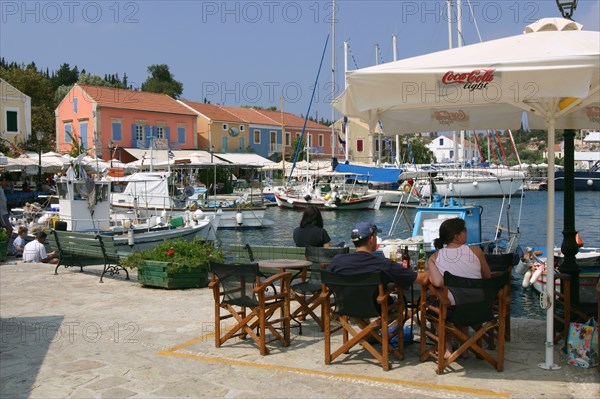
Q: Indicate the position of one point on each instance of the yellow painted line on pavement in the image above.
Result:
(171, 352)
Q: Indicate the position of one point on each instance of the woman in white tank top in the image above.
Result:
(454, 256)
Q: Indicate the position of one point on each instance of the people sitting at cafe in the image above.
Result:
(25, 188)
(311, 233)
(454, 256)
(364, 237)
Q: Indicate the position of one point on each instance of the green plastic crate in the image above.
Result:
(155, 274)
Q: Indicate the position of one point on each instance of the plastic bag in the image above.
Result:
(582, 344)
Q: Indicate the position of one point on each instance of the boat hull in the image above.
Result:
(584, 180)
(252, 217)
(148, 240)
(368, 202)
(475, 188)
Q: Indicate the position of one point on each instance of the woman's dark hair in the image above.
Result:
(312, 216)
(448, 229)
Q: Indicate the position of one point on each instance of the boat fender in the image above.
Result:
(535, 276)
(198, 215)
(239, 218)
(130, 237)
(163, 214)
(590, 182)
(578, 240)
(327, 197)
(475, 183)
(526, 279)
(307, 197)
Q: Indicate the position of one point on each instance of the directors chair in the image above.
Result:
(365, 311)
(475, 307)
(308, 293)
(238, 289)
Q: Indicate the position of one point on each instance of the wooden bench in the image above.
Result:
(252, 253)
(72, 247)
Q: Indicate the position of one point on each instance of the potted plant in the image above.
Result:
(175, 264)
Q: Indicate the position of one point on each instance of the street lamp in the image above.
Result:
(567, 7)
(39, 136)
(569, 246)
(111, 146)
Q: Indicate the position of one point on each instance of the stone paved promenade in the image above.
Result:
(68, 336)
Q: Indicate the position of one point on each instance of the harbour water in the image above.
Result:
(530, 217)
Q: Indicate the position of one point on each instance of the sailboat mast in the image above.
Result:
(345, 86)
(332, 141)
(459, 39)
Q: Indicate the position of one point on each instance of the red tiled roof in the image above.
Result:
(291, 120)
(250, 115)
(135, 100)
(214, 112)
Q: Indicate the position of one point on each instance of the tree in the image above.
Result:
(161, 81)
(295, 143)
(65, 76)
(421, 153)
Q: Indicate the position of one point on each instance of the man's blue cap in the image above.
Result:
(362, 230)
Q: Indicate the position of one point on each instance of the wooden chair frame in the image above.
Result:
(358, 330)
(308, 292)
(262, 306)
(435, 310)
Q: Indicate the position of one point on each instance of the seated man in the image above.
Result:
(36, 252)
(19, 242)
(364, 237)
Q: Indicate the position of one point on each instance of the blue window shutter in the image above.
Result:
(225, 144)
(74, 105)
(133, 136)
(83, 130)
(68, 130)
(116, 131)
(168, 135)
(181, 135)
(149, 135)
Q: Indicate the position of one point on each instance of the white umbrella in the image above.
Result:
(552, 72)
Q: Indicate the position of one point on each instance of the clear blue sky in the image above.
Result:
(249, 52)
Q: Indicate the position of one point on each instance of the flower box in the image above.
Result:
(156, 274)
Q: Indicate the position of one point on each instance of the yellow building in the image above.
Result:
(15, 113)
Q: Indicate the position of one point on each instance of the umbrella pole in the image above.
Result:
(548, 296)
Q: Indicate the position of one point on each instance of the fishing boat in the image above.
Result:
(152, 194)
(333, 191)
(84, 206)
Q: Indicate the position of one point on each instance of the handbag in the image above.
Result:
(582, 344)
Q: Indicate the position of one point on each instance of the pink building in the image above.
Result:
(104, 117)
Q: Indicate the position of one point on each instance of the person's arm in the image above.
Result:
(326, 239)
(485, 268)
(435, 276)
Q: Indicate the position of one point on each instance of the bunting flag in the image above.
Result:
(171, 155)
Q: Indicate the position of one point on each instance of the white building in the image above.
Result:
(443, 149)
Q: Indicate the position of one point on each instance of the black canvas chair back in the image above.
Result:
(238, 281)
(499, 263)
(475, 298)
(354, 295)
(241, 297)
(321, 257)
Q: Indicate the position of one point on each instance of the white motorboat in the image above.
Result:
(472, 182)
(149, 194)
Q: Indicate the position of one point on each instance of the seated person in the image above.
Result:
(25, 188)
(36, 252)
(19, 242)
(311, 232)
(455, 257)
(364, 237)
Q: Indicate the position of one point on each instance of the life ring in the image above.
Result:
(406, 188)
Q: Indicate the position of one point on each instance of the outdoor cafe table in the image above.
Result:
(282, 265)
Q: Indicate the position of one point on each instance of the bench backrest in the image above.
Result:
(240, 253)
(110, 248)
(69, 242)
